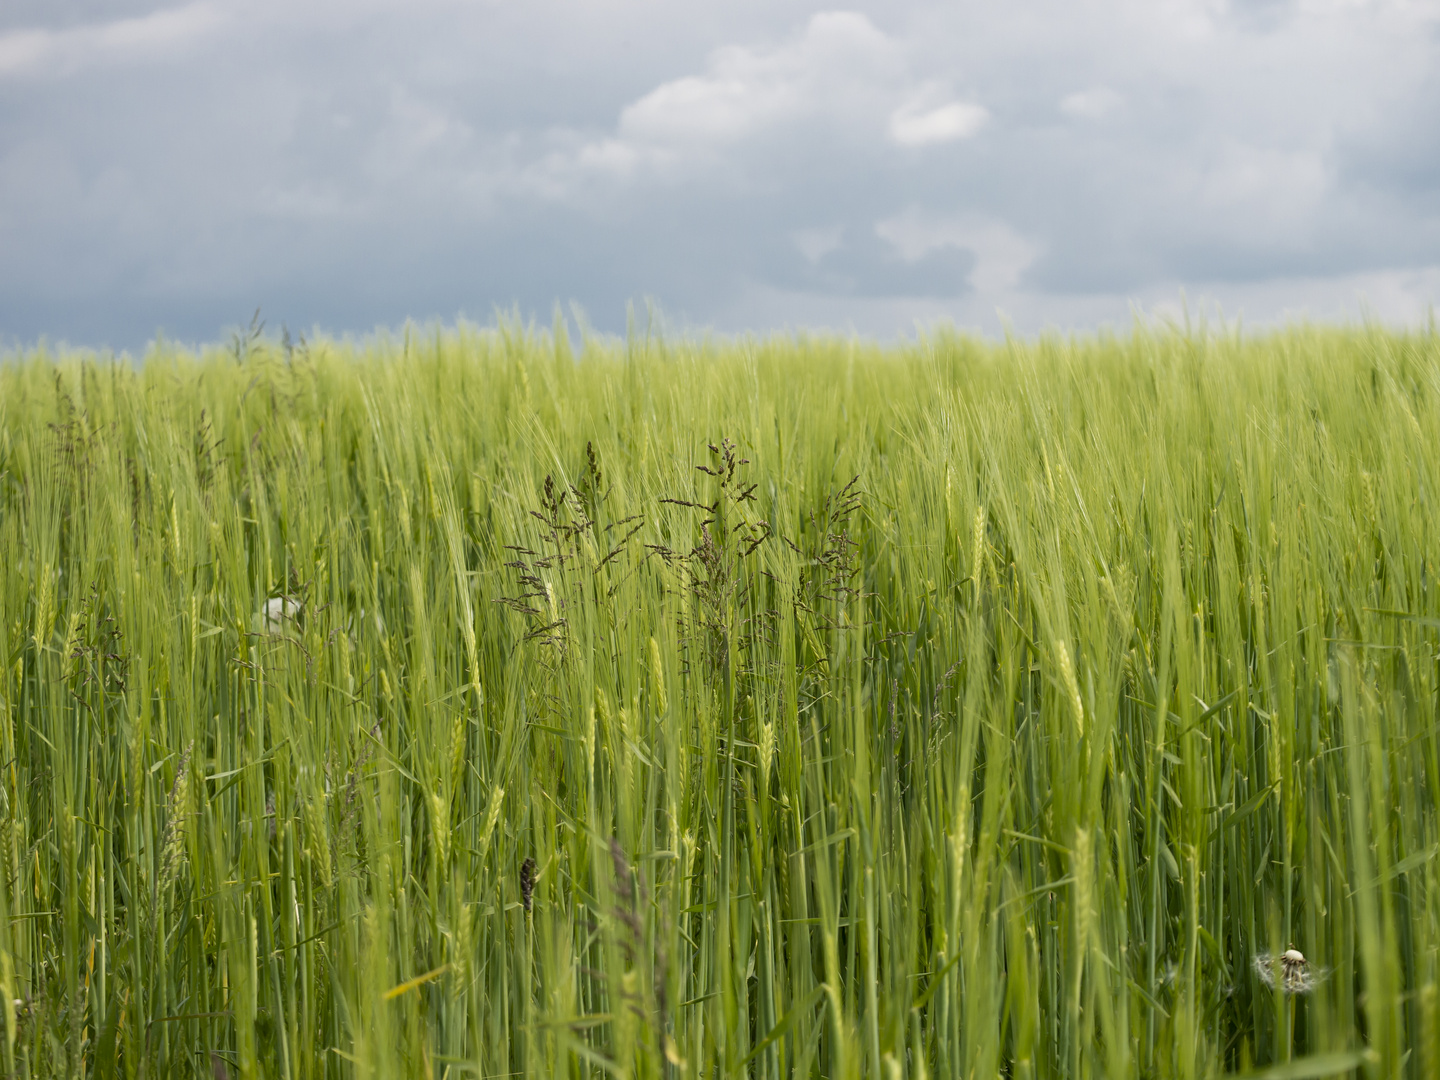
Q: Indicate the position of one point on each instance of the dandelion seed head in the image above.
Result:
(1293, 972)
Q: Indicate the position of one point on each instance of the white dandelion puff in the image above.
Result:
(1295, 974)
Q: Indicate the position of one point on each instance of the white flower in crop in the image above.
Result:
(278, 612)
(1293, 970)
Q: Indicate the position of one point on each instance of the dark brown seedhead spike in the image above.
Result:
(527, 882)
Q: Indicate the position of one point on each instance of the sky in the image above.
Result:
(741, 166)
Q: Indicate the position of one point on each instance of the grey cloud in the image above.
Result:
(861, 263)
(354, 164)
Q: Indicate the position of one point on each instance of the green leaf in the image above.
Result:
(781, 1029)
(1313, 1067)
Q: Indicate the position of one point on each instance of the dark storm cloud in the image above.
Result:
(747, 164)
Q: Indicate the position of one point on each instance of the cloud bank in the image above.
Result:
(747, 166)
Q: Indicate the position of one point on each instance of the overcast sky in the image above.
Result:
(748, 165)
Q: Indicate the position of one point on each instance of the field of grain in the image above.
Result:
(478, 703)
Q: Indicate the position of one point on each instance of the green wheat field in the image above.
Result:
(480, 702)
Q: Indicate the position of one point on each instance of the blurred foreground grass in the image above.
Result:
(475, 705)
